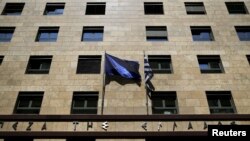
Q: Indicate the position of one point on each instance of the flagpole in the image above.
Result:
(145, 84)
(103, 83)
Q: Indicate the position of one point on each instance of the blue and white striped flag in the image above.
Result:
(148, 75)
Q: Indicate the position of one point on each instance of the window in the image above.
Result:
(6, 33)
(210, 64)
(84, 103)
(28, 103)
(220, 102)
(243, 32)
(195, 8)
(156, 33)
(54, 9)
(92, 34)
(13, 9)
(202, 33)
(1, 59)
(153, 8)
(95, 8)
(236, 8)
(47, 34)
(160, 63)
(248, 58)
(164, 103)
(39, 65)
(89, 65)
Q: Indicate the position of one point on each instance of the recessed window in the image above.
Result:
(47, 34)
(156, 33)
(220, 102)
(54, 9)
(39, 65)
(28, 103)
(243, 32)
(160, 63)
(1, 59)
(248, 58)
(202, 33)
(84, 103)
(13, 9)
(95, 8)
(6, 33)
(164, 103)
(236, 8)
(210, 64)
(195, 8)
(89, 65)
(92, 33)
(153, 8)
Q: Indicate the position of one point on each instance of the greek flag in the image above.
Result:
(148, 75)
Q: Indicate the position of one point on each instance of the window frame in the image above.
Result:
(50, 30)
(89, 57)
(246, 30)
(219, 95)
(28, 96)
(208, 59)
(163, 58)
(41, 60)
(194, 5)
(156, 30)
(148, 6)
(85, 96)
(53, 6)
(201, 29)
(163, 95)
(8, 7)
(1, 59)
(5, 31)
(242, 11)
(95, 30)
(95, 5)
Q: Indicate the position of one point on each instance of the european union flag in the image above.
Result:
(124, 68)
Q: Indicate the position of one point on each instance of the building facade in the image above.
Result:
(52, 58)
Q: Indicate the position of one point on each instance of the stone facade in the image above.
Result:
(124, 37)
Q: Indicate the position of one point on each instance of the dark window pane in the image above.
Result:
(220, 102)
(47, 34)
(89, 65)
(54, 9)
(243, 33)
(92, 34)
(1, 59)
(202, 33)
(84, 103)
(213, 102)
(13, 9)
(153, 8)
(160, 64)
(28, 103)
(164, 103)
(195, 8)
(210, 64)
(39, 65)
(236, 8)
(95, 9)
(6, 33)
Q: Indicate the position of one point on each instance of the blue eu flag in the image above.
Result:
(124, 68)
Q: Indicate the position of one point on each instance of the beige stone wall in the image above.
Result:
(124, 37)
